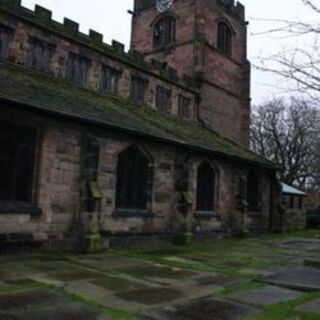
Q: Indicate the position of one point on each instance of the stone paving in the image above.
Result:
(301, 277)
(311, 306)
(267, 295)
(232, 280)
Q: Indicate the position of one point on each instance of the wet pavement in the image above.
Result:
(226, 281)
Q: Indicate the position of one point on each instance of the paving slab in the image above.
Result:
(267, 295)
(311, 306)
(106, 262)
(218, 280)
(28, 299)
(213, 309)
(300, 244)
(300, 278)
(66, 311)
(151, 296)
(157, 271)
(315, 263)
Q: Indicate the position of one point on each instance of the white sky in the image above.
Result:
(111, 19)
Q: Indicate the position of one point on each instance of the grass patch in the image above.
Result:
(241, 287)
(286, 310)
(116, 284)
(115, 314)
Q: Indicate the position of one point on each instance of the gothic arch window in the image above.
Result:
(164, 31)
(253, 191)
(17, 162)
(224, 41)
(133, 179)
(206, 185)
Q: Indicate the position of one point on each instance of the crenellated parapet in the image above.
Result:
(70, 29)
(234, 7)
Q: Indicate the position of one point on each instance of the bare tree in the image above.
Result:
(300, 66)
(288, 133)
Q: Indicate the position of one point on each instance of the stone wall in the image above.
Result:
(223, 79)
(58, 188)
(66, 38)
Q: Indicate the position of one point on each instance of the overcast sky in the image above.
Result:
(111, 19)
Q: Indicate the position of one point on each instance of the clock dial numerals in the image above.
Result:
(164, 5)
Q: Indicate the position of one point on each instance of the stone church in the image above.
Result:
(130, 144)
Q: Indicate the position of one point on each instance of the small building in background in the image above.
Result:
(294, 208)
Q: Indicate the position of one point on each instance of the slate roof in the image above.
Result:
(44, 93)
(286, 189)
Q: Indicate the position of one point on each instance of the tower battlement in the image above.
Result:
(234, 7)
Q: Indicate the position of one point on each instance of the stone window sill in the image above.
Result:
(255, 214)
(8, 207)
(206, 215)
(132, 213)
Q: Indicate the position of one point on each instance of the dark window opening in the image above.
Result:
(138, 89)
(163, 99)
(164, 32)
(39, 54)
(6, 36)
(109, 80)
(291, 202)
(17, 158)
(184, 107)
(300, 202)
(205, 187)
(253, 191)
(224, 38)
(77, 68)
(132, 180)
(91, 159)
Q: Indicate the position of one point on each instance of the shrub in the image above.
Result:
(313, 218)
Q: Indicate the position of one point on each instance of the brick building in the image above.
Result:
(138, 143)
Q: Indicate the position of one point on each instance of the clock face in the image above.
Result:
(164, 5)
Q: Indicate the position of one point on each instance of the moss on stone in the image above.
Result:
(56, 96)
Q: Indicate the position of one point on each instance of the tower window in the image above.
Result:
(77, 68)
(164, 32)
(39, 54)
(224, 38)
(206, 187)
(6, 35)
(138, 89)
(109, 80)
(253, 191)
(163, 99)
(132, 180)
(17, 157)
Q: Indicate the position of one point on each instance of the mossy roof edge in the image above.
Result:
(43, 92)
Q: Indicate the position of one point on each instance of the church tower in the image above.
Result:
(207, 40)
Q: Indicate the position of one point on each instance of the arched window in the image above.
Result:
(17, 157)
(224, 41)
(164, 32)
(205, 187)
(253, 191)
(132, 179)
